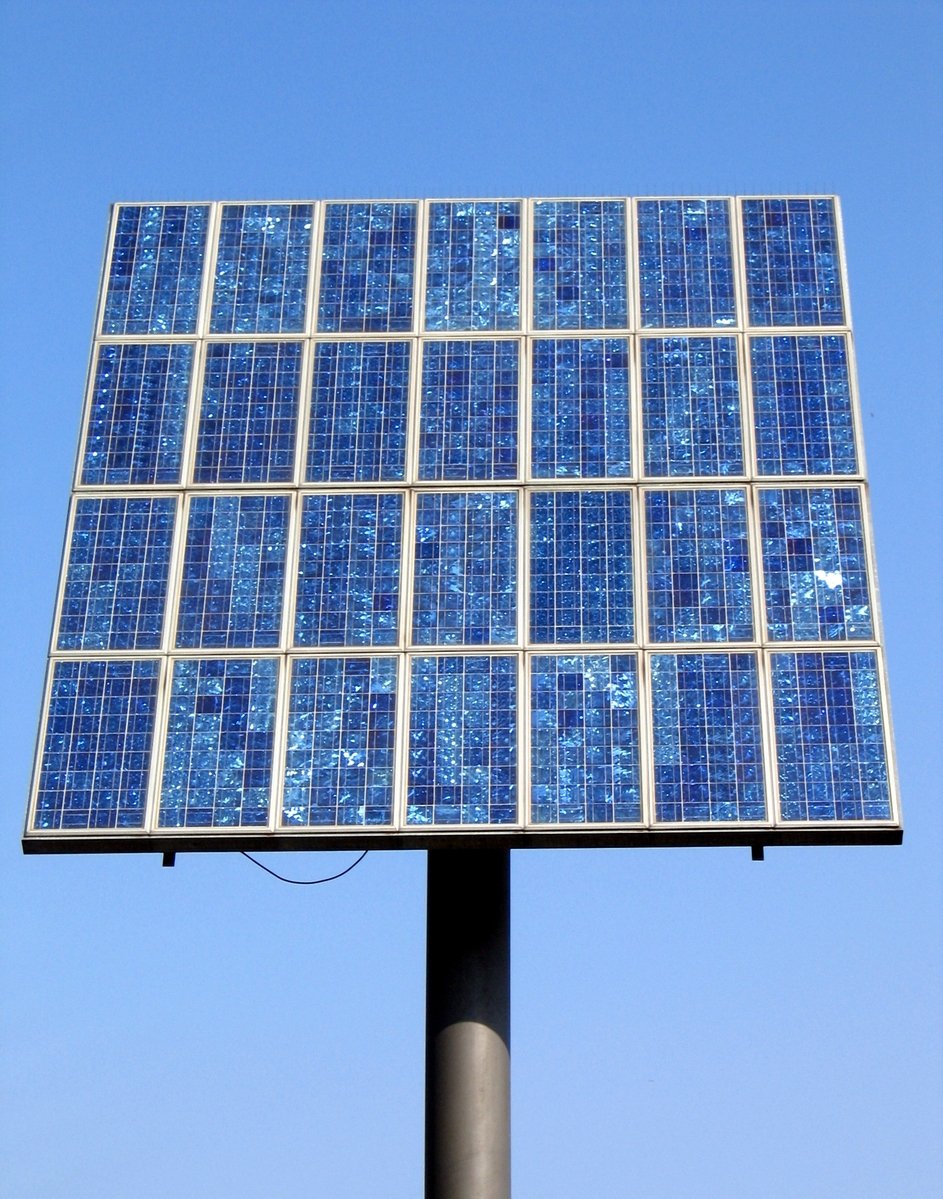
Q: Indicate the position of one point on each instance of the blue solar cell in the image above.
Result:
(691, 406)
(792, 262)
(708, 738)
(469, 414)
(138, 414)
(465, 584)
(249, 412)
(367, 268)
(686, 264)
(473, 271)
(341, 729)
(581, 427)
(156, 269)
(814, 564)
(585, 764)
(359, 402)
(698, 566)
(802, 406)
(580, 265)
(116, 578)
(463, 741)
(349, 570)
(830, 744)
(262, 269)
(581, 567)
(218, 760)
(233, 572)
(96, 752)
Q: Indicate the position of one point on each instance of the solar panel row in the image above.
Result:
(211, 759)
(467, 568)
(699, 412)
(261, 258)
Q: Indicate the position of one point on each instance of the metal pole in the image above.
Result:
(468, 1008)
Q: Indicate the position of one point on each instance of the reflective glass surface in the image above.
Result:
(686, 264)
(814, 564)
(367, 268)
(473, 269)
(349, 570)
(580, 265)
(469, 413)
(116, 579)
(698, 566)
(359, 412)
(156, 269)
(233, 572)
(802, 406)
(581, 566)
(463, 741)
(830, 747)
(262, 268)
(218, 762)
(341, 727)
(585, 739)
(792, 260)
(691, 406)
(248, 413)
(96, 753)
(580, 422)
(465, 573)
(138, 414)
(708, 739)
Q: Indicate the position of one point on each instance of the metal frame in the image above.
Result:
(398, 834)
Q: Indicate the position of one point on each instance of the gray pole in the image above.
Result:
(468, 1009)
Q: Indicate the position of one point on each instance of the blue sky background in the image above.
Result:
(685, 1023)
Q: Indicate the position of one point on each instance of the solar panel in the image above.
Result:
(137, 413)
(358, 419)
(261, 283)
(581, 585)
(580, 409)
(156, 269)
(687, 277)
(473, 265)
(580, 265)
(368, 254)
(116, 573)
(409, 522)
(692, 421)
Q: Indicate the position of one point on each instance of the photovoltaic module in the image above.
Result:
(409, 522)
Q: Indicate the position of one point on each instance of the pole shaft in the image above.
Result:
(468, 1008)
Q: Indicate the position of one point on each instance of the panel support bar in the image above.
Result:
(468, 1008)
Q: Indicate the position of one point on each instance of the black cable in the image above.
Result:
(304, 882)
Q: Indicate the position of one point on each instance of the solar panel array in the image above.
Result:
(402, 521)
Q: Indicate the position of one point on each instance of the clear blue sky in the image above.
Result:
(686, 1023)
